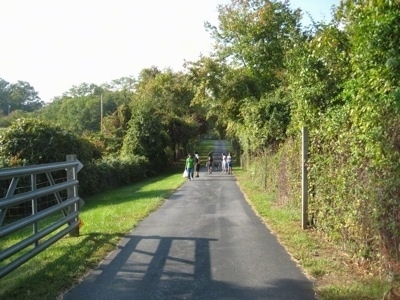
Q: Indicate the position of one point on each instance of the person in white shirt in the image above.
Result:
(197, 163)
(229, 162)
(223, 163)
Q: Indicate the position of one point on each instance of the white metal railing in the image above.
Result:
(58, 220)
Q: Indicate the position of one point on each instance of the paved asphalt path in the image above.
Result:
(205, 242)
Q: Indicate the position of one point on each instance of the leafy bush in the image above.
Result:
(110, 173)
(31, 141)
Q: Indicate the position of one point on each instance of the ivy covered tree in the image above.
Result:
(373, 98)
(317, 69)
(115, 127)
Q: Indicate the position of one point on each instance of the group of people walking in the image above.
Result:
(192, 166)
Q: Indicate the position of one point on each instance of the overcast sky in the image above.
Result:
(55, 45)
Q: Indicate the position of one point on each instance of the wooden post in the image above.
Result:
(304, 183)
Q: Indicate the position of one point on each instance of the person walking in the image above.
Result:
(197, 163)
(223, 163)
(229, 162)
(210, 163)
(190, 166)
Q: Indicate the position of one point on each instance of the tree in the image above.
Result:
(317, 69)
(81, 113)
(373, 94)
(344, 81)
(82, 90)
(264, 122)
(24, 97)
(251, 42)
(115, 127)
(255, 34)
(170, 94)
(220, 90)
(146, 137)
(5, 99)
(18, 96)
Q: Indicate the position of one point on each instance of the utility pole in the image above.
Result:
(101, 113)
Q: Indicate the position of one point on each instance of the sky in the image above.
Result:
(57, 44)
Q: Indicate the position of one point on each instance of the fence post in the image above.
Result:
(304, 181)
(72, 192)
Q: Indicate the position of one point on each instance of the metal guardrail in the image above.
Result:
(56, 221)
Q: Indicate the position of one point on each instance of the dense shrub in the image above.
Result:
(278, 172)
(30, 141)
(110, 173)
